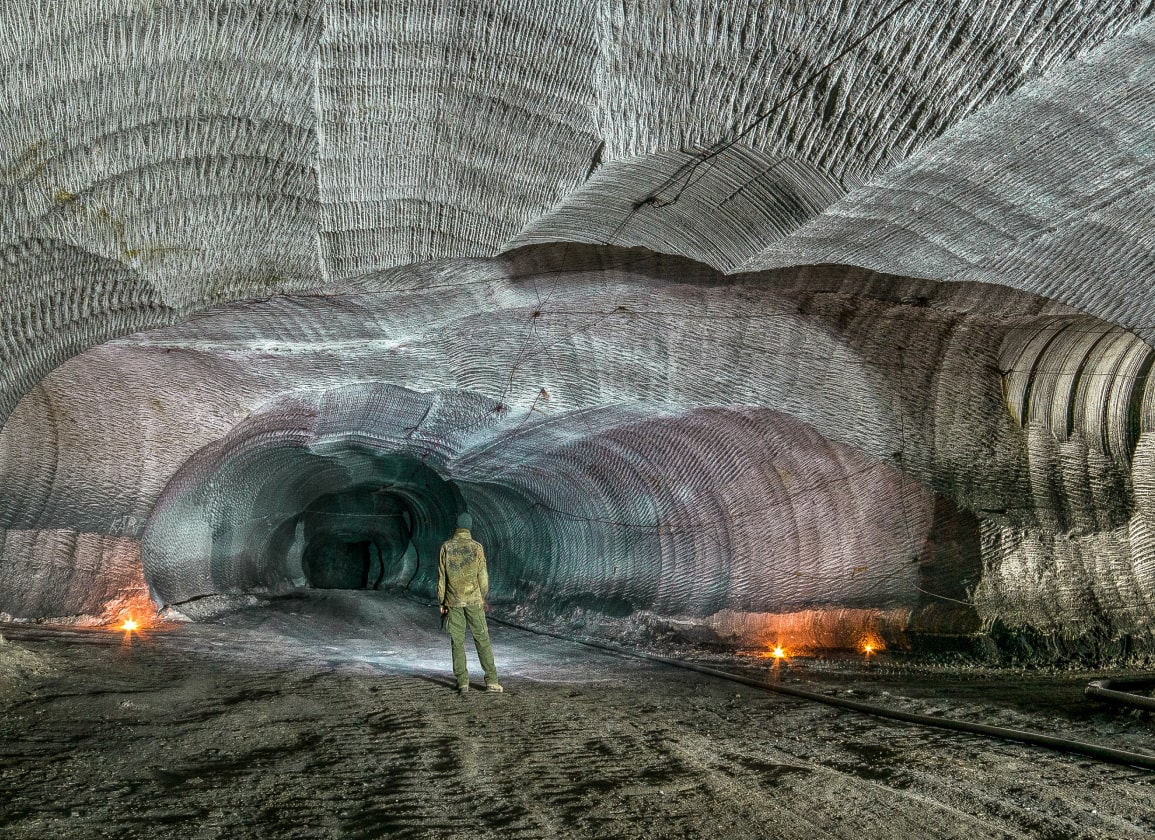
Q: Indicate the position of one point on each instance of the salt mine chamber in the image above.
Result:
(793, 361)
(817, 458)
(712, 335)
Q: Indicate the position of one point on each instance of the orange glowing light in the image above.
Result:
(868, 648)
(129, 625)
(778, 653)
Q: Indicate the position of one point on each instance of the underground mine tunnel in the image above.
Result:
(805, 345)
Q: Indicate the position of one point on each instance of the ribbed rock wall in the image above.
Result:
(1064, 209)
(945, 145)
(640, 434)
(159, 158)
(687, 74)
(763, 516)
(446, 127)
(69, 574)
(154, 157)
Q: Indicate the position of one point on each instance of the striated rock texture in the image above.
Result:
(743, 316)
(610, 419)
(1050, 191)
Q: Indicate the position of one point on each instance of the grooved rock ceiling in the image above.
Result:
(747, 317)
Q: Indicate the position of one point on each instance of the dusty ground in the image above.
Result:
(332, 715)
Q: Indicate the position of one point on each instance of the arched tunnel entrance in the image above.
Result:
(357, 488)
(268, 512)
(596, 520)
(357, 539)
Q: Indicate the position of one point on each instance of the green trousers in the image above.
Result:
(474, 616)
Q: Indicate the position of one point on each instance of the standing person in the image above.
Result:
(462, 586)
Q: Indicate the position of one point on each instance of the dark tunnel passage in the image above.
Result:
(271, 518)
(356, 539)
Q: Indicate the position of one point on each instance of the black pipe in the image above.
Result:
(1108, 754)
(1122, 691)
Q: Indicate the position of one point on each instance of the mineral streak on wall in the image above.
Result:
(287, 285)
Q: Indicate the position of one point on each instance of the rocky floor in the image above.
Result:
(333, 715)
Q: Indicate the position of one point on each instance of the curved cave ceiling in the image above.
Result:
(729, 314)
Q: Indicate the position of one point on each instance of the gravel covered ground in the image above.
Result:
(332, 714)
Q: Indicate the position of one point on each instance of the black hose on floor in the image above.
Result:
(1122, 691)
(1108, 754)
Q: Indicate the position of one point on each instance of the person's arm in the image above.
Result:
(441, 579)
(482, 573)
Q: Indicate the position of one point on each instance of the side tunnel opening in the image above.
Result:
(730, 523)
(281, 516)
(358, 539)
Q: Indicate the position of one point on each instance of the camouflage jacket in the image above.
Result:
(462, 578)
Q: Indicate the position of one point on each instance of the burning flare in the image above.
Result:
(129, 625)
